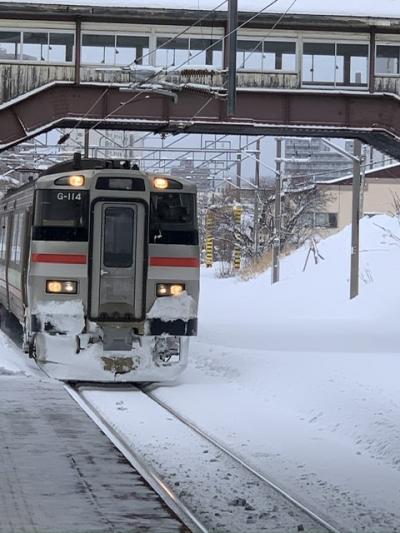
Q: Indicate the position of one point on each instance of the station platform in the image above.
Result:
(60, 474)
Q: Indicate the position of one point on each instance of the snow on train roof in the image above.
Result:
(363, 8)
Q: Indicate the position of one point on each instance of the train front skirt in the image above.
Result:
(64, 352)
(151, 359)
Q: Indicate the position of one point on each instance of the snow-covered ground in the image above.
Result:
(300, 381)
(303, 382)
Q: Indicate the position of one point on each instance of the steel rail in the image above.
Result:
(311, 514)
(150, 475)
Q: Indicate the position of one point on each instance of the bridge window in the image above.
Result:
(279, 55)
(98, 49)
(249, 55)
(319, 63)
(106, 49)
(35, 46)
(10, 45)
(205, 52)
(266, 55)
(351, 64)
(172, 53)
(130, 48)
(337, 64)
(387, 59)
(193, 51)
(61, 47)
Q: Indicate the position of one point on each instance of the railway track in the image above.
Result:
(206, 484)
(145, 470)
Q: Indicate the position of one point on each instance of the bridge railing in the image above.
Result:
(17, 79)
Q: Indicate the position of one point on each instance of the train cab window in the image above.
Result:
(61, 215)
(173, 219)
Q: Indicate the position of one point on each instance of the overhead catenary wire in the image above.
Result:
(155, 74)
(205, 104)
(188, 28)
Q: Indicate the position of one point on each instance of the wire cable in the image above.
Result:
(123, 104)
(198, 21)
(212, 11)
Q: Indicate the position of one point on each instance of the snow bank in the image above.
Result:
(311, 310)
(13, 362)
(8, 372)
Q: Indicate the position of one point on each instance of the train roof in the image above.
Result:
(85, 163)
(78, 164)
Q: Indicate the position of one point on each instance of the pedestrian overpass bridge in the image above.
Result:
(165, 70)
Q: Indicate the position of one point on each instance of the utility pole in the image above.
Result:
(363, 162)
(232, 46)
(256, 222)
(355, 213)
(355, 221)
(238, 175)
(86, 144)
(276, 244)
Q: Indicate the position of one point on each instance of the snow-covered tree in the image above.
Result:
(297, 207)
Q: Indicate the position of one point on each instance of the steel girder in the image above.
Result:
(374, 118)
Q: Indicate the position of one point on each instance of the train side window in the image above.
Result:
(18, 246)
(15, 229)
(3, 237)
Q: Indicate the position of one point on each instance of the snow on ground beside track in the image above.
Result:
(13, 362)
(303, 382)
(307, 308)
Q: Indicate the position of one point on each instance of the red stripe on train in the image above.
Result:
(70, 259)
(192, 262)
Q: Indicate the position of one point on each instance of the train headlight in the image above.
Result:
(160, 183)
(169, 289)
(73, 181)
(76, 181)
(176, 289)
(54, 286)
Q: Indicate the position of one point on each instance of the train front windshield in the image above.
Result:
(61, 215)
(173, 218)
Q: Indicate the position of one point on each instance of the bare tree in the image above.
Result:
(298, 206)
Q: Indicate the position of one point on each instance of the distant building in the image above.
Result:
(200, 175)
(380, 194)
(313, 159)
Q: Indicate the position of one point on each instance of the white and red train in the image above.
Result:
(100, 264)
